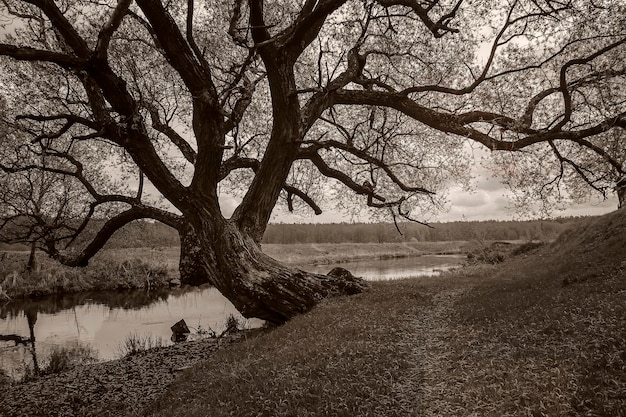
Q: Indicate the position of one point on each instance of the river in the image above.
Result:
(103, 321)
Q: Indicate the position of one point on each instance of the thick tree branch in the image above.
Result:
(69, 34)
(24, 53)
(303, 196)
(259, 31)
(329, 144)
(177, 50)
(297, 37)
(191, 40)
(450, 123)
(107, 31)
(108, 229)
(235, 163)
(326, 170)
(439, 27)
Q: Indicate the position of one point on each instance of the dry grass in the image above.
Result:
(329, 253)
(544, 335)
(343, 359)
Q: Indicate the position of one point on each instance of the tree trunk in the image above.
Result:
(31, 266)
(256, 284)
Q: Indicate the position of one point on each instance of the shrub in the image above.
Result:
(527, 247)
(62, 358)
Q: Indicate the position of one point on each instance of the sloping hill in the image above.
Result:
(552, 326)
(591, 250)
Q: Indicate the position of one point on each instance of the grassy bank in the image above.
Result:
(345, 358)
(542, 334)
(109, 270)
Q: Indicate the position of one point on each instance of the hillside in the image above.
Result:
(594, 249)
(551, 325)
(541, 334)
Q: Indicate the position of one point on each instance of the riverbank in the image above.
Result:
(120, 269)
(540, 334)
(108, 271)
(122, 387)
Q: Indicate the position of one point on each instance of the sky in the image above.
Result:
(487, 202)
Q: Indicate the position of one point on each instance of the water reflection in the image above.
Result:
(395, 268)
(132, 299)
(102, 321)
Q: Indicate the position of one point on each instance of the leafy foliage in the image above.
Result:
(381, 98)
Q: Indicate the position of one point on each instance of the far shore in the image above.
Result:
(331, 253)
(130, 268)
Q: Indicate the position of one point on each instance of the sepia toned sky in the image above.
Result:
(487, 201)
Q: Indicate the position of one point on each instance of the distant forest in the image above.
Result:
(142, 233)
(152, 234)
(387, 232)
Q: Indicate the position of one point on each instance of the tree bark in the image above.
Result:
(190, 263)
(257, 285)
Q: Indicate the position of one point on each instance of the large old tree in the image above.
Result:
(361, 101)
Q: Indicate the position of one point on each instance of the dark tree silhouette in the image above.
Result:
(373, 102)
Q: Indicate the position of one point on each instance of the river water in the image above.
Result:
(103, 321)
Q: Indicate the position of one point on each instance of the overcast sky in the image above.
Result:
(487, 201)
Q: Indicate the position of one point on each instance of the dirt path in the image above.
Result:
(428, 385)
(436, 389)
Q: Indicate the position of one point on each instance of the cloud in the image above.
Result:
(460, 198)
(489, 183)
(477, 205)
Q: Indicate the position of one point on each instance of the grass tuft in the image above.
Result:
(136, 343)
(62, 358)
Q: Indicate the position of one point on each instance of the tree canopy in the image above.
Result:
(369, 102)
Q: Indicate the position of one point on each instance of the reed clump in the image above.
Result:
(104, 273)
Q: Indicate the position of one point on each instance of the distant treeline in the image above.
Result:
(152, 234)
(386, 232)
